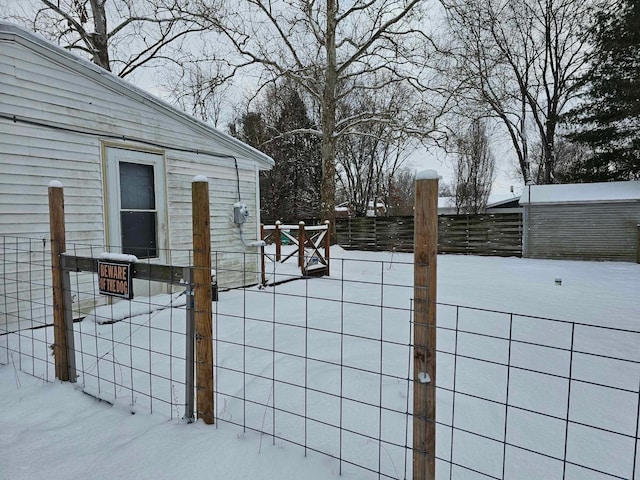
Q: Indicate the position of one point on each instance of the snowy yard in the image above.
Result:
(320, 377)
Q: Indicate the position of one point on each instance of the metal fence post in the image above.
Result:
(190, 346)
(424, 326)
(278, 241)
(67, 303)
(327, 246)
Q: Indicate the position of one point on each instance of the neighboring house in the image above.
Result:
(125, 158)
(342, 210)
(499, 203)
(506, 205)
(589, 221)
(379, 211)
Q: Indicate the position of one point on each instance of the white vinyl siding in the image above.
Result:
(55, 95)
(44, 84)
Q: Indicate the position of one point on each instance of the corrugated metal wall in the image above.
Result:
(588, 231)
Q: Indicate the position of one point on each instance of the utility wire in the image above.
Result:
(28, 121)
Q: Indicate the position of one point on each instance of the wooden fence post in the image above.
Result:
(327, 246)
(424, 349)
(301, 242)
(202, 298)
(278, 241)
(63, 348)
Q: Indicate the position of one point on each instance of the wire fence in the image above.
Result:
(530, 397)
(325, 364)
(26, 311)
(130, 352)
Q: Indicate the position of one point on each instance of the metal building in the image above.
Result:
(591, 221)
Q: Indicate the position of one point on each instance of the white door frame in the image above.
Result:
(113, 155)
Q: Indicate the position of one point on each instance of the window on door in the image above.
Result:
(138, 214)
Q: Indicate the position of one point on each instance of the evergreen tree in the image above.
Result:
(609, 121)
(291, 190)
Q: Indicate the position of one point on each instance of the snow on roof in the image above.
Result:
(493, 201)
(502, 200)
(581, 193)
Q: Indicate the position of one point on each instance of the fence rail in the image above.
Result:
(325, 364)
(498, 234)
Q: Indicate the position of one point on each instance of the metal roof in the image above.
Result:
(581, 193)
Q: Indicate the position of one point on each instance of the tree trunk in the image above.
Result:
(549, 153)
(328, 189)
(99, 39)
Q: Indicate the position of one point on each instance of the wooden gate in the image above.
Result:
(196, 279)
(312, 247)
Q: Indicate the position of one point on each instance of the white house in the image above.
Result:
(496, 203)
(125, 158)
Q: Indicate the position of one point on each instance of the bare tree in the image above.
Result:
(570, 161)
(200, 89)
(401, 192)
(474, 169)
(333, 51)
(368, 158)
(118, 35)
(521, 60)
(367, 167)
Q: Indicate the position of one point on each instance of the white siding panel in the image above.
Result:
(229, 254)
(86, 97)
(29, 159)
(56, 95)
(58, 169)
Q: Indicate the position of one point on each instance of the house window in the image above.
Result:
(138, 214)
(135, 202)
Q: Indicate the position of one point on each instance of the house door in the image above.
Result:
(136, 204)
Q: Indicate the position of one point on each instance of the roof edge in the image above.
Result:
(29, 39)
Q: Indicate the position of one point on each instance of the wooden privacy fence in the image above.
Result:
(498, 234)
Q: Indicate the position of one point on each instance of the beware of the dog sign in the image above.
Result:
(115, 279)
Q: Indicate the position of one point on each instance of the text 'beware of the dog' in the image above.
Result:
(115, 279)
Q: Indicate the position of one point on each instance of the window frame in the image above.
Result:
(113, 155)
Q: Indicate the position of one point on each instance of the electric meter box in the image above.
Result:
(240, 213)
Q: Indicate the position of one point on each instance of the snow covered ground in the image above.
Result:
(54, 430)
